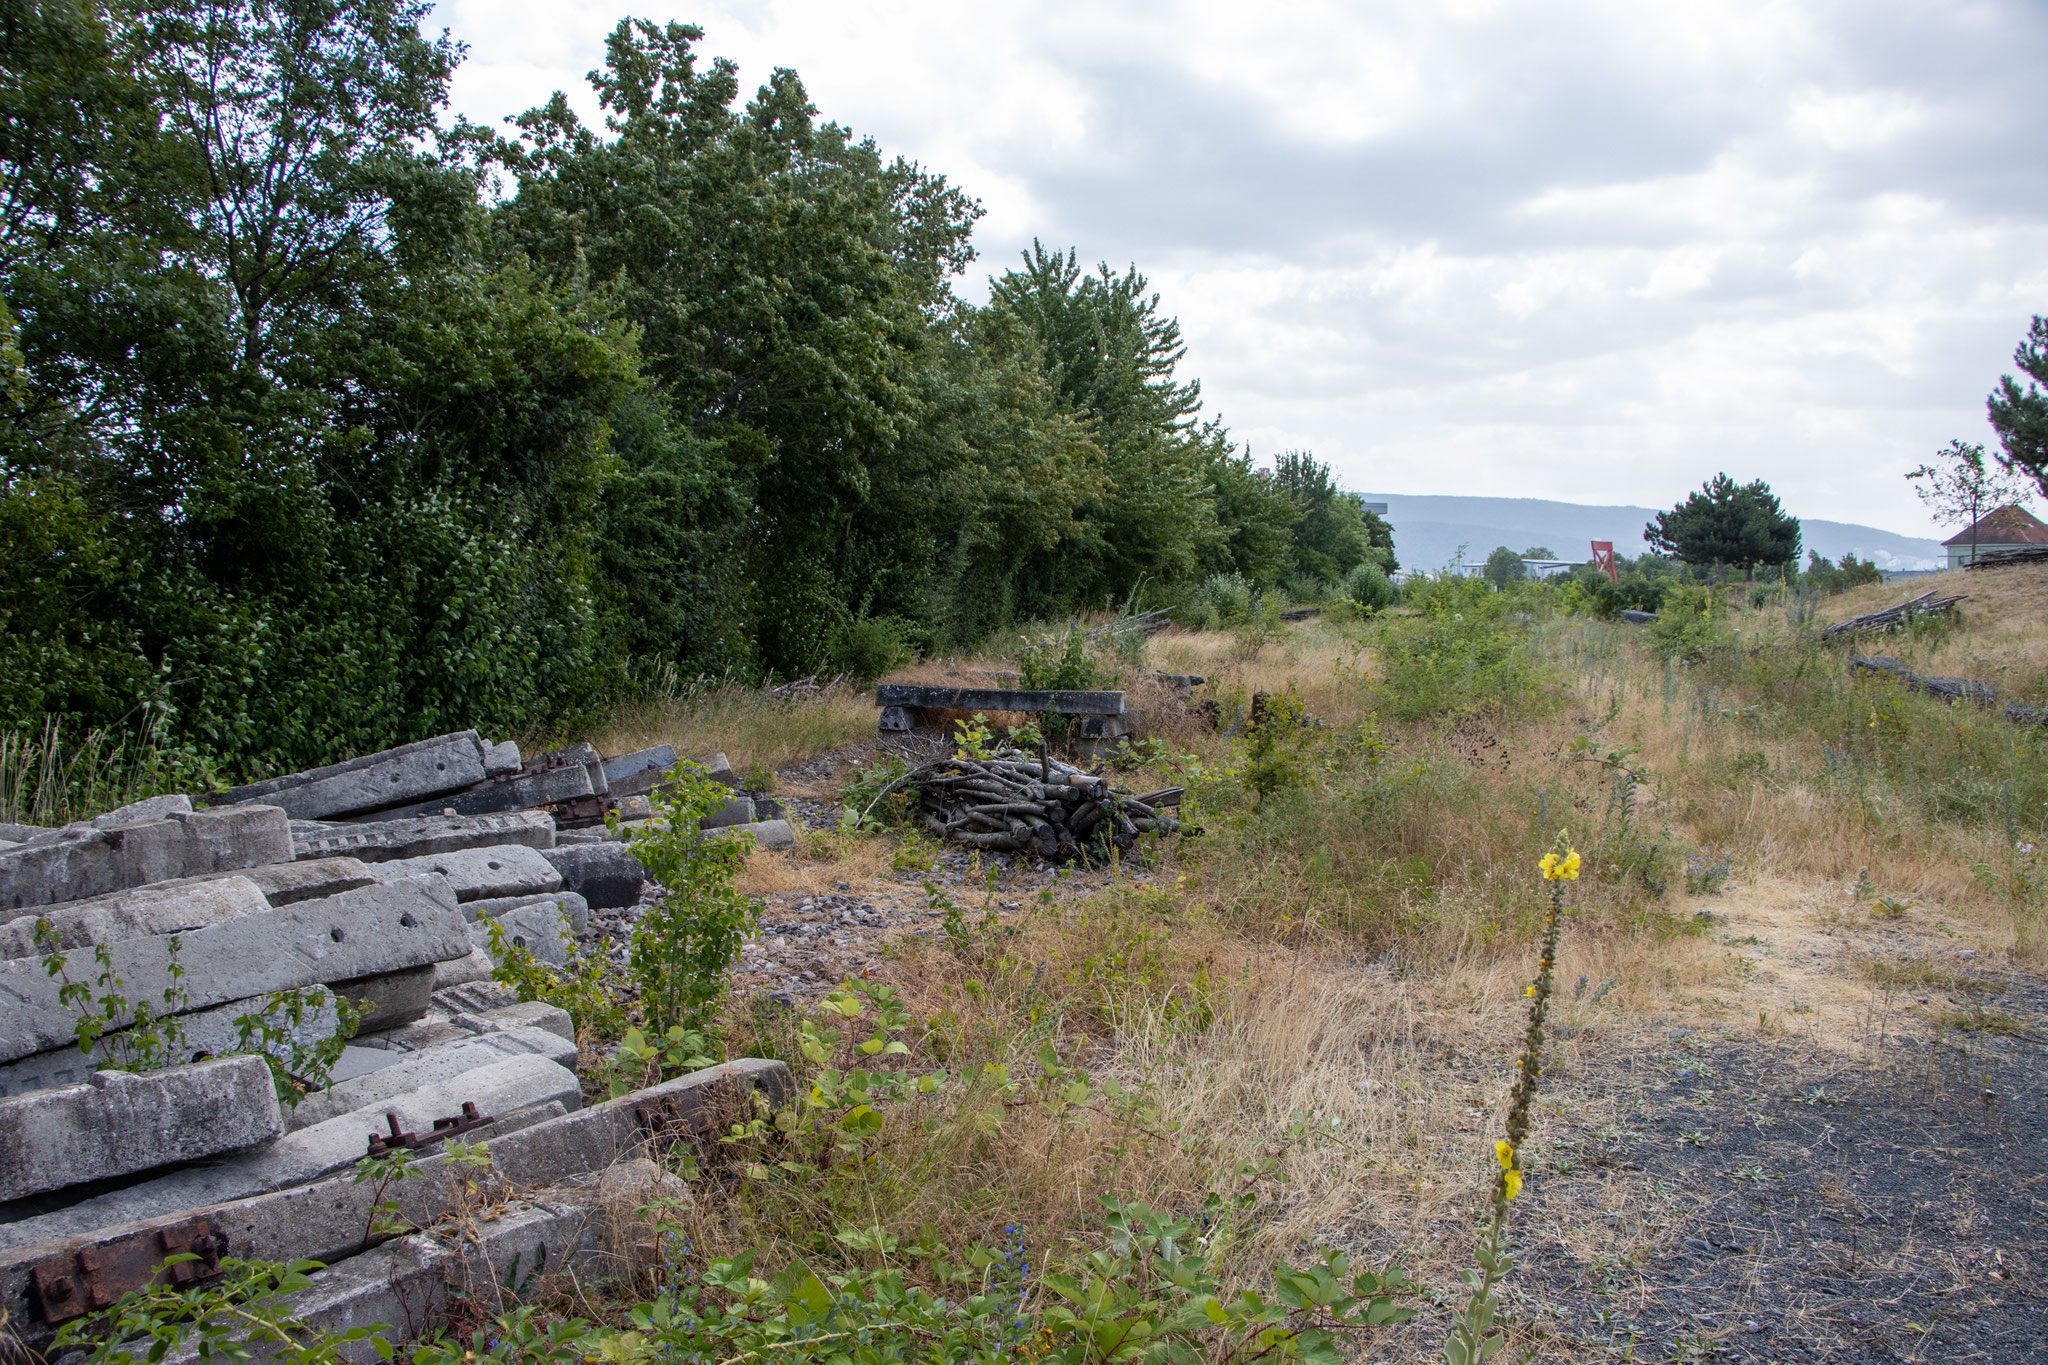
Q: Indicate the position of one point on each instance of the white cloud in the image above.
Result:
(1595, 250)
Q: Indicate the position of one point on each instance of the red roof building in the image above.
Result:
(2002, 532)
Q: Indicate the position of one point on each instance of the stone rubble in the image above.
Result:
(377, 880)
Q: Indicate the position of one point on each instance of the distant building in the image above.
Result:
(1549, 568)
(2003, 532)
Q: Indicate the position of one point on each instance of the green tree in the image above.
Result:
(1960, 487)
(310, 461)
(782, 277)
(1504, 566)
(1255, 515)
(1111, 356)
(2019, 408)
(1333, 533)
(1725, 523)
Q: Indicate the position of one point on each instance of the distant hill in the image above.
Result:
(1429, 529)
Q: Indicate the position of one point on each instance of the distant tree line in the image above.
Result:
(324, 427)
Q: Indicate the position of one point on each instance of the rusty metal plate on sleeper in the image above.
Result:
(92, 1277)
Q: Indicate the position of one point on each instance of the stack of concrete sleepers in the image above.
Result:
(561, 1181)
(363, 879)
(463, 775)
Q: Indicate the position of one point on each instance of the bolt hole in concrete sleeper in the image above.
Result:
(336, 934)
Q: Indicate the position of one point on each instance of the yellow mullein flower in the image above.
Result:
(1556, 869)
(1504, 1153)
(1528, 991)
(1514, 1183)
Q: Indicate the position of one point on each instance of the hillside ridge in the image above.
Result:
(1429, 528)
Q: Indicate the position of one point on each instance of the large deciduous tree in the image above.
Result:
(307, 461)
(783, 278)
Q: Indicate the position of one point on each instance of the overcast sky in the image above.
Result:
(1586, 251)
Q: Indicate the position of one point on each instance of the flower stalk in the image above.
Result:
(1473, 1338)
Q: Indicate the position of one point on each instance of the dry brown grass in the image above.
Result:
(1332, 991)
(2005, 615)
(742, 723)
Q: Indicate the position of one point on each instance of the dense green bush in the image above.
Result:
(1369, 588)
(1690, 626)
(411, 455)
(1462, 655)
(873, 646)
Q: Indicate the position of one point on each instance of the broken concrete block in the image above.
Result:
(498, 1088)
(582, 755)
(522, 1014)
(21, 834)
(310, 880)
(395, 998)
(607, 875)
(76, 865)
(766, 833)
(476, 965)
(360, 933)
(520, 791)
(638, 773)
(119, 1123)
(502, 758)
(422, 836)
(658, 759)
(476, 874)
(373, 782)
(538, 928)
(441, 1065)
(172, 907)
(615, 1197)
(141, 812)
(738, 811)
(405, 1289)
(719, 769)
(575, 907)
(229, 840)
(476, 997)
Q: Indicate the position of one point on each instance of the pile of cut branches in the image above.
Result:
(1891, 618)
(1008, 802)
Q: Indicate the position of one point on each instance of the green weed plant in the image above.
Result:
(690, 935)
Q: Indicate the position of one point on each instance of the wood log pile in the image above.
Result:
(1891, 618)
(1011, 803)
(1948, 689)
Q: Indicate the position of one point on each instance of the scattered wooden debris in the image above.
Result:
(1948, 689)
(2003, 558)
(1009, 803)
(803, 687)
(1101, 718)
(1151, 622)
(1892, 618)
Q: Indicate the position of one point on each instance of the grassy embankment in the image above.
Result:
(1314, 1007)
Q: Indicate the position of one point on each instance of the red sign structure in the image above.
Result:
(1603, 559)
